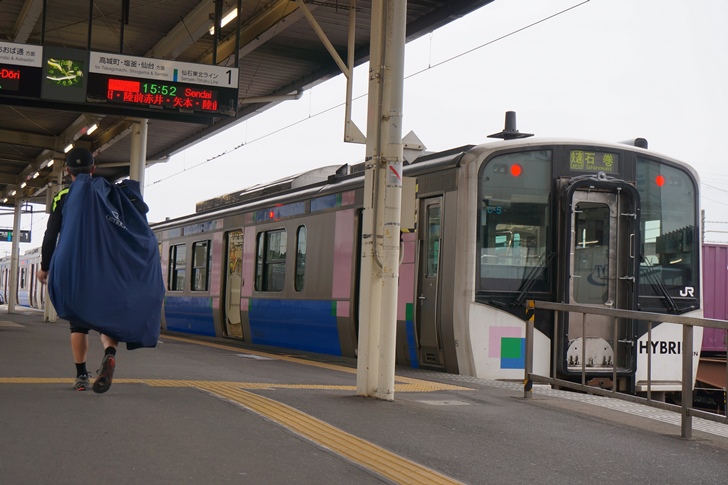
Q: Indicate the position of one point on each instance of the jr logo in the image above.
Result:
(688, 291)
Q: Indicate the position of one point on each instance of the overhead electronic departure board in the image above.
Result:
(21, 70)
(85, 81)
(162, 85)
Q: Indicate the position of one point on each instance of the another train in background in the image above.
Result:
(30, 292)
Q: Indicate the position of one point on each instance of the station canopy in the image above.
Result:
(81, 72)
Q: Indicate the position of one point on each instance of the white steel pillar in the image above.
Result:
(14, 257)
(382, 202)
(138, 156)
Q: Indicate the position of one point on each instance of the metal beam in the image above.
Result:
(27, 19)
(112, 135)
(23, 138)
(258, 30)
(183, 35)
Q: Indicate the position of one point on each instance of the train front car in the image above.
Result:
(602, 225)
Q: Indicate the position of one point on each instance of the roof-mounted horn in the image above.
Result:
(510, 132)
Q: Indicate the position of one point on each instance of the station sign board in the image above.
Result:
(21, 70)
(80, 80)
(157, 84)
(6, 235)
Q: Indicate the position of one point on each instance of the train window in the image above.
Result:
(591, 251)
(200, 265)
(23, 278)
(300, 258)
(177, 264)
(270, 273)
(433, 239)
(513, 220)
(668, 221)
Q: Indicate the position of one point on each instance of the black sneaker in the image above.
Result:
(82, 383)
(105, 374)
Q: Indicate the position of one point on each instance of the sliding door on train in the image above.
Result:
(233, 284)
(601, 264)
(427, 315)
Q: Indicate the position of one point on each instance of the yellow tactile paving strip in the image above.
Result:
(385, 463)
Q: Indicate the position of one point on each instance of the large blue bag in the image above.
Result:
(105, 273)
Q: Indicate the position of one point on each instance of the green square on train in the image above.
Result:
(511, 347)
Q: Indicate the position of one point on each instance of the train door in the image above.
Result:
(233, 283)
(602, 239)
(5, 285)
(32, 287)
(429, 334)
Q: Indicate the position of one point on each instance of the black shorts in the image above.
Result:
(75, 328)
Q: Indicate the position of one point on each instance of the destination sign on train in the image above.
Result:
(591, 161)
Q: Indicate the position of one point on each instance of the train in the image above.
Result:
(483, 229)
(29, 292)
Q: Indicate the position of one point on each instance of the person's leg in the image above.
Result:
(79, 348)
(108, 342)
(108, 364)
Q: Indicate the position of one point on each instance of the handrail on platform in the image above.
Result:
(685, 409)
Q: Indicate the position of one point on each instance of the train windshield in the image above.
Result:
(668, 218)
(513, 220)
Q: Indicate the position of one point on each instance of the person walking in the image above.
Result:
(79, 160)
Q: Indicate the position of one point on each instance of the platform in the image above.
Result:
(197, 411)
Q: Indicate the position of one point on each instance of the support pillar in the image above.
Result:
(14, 257)
(382, 202)
(138, 155)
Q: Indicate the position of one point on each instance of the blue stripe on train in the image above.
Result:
(295, 324)
(189, 314)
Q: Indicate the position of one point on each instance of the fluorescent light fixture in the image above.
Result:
(35, 175)
(5, 199)
(92, 128)
(68, 148)
(13, 193)
(225, 20)
(50, 163)
(22, 186)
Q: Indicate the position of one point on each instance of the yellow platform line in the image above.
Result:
(414, 385)
(383, 462)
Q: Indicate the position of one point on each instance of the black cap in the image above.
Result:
(79, 158)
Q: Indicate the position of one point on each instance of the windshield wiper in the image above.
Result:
(530, 280)
(656, 283)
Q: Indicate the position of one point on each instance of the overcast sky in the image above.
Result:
(607, 70)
